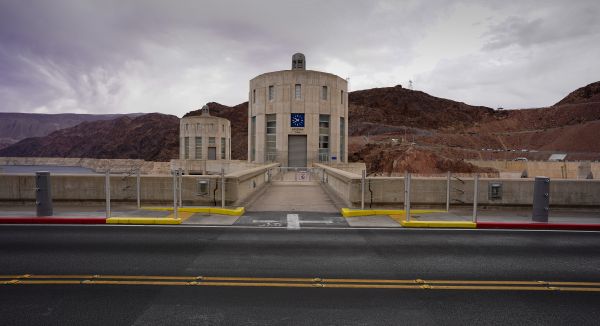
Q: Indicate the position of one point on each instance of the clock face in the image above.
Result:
(297, 120)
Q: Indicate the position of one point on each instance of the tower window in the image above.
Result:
(324, 92)
(271, 150)
(323, 138)
(298, 91)
(186, 149)
(342, 140)
(341, 97)
(271, 92)
(253, 139)
(223, 142)
(253, 96)
(198, 148)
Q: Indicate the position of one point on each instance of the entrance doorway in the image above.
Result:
(297, 151)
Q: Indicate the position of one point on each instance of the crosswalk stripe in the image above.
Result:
(293, 222)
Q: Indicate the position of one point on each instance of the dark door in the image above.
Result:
(297, 150)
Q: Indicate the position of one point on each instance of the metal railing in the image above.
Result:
(297, 174)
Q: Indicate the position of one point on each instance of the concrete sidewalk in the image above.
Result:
(79, 213)
(505, 215)
(519, 215)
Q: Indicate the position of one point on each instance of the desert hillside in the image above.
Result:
(391, 129)
(152, 137)
(17, 126)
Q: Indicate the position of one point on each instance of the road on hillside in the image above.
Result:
(73, 275)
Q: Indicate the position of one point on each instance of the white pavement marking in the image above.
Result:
(316, 222)
(293, 222)
(265, 221)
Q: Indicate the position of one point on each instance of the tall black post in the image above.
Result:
(541, 199)
(43, 197)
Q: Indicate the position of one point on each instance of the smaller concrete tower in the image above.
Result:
(298, 62)
(204, 137)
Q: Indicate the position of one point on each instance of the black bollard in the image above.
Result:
(43, 197)
(541, 199)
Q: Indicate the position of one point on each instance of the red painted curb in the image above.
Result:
(52, 220)
(537, 226)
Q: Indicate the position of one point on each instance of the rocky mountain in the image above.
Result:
(391, 144)
(397, 106)
(391, 129)
(17, 126)
(152, 137)
(587, 94)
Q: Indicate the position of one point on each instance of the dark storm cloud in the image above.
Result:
(558, 24)
(172, 56)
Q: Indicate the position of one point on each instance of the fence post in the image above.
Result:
(407, 192)
(107, 191)
(222, 188)
(448, 192)
(138, 189)
(362, 189)
(475, 196)
(175, 209)
(180, 185)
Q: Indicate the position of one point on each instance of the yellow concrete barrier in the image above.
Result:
(238, 211)
(434, 224)
(348, 212)
(142, 220)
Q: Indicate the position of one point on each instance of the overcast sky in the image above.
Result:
(164, 56)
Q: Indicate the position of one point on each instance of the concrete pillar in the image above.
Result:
(43, 196)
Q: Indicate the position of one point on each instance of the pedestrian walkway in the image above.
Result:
(294, 197)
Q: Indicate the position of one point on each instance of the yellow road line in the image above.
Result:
(261, 279)
(350, 283)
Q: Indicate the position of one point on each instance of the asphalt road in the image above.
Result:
(473, 255)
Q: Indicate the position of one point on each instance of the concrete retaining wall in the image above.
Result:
(432, 191)
(78, 188)
(555, 170)
(98, 165)
(212, 166)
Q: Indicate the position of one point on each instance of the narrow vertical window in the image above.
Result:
(342, 140)
(186, 146)
(253, 96)
(298, 91)
(270, 139)
(271, 92)
(253, 139)
(223, 142)
(324, 92)
(342, 97)
(324, 138)
(198, 148)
